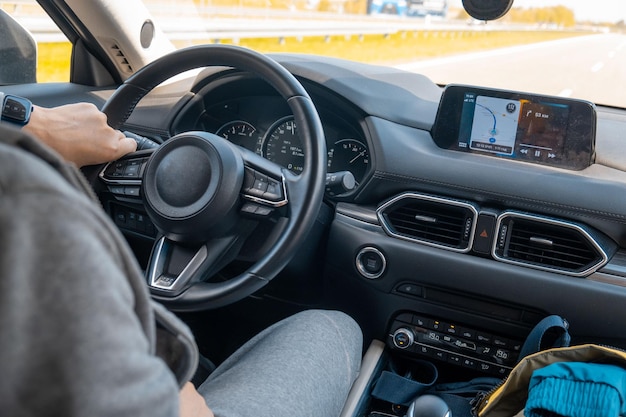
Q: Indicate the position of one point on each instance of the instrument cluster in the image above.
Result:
(264, 125)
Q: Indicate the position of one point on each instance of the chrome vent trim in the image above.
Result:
(433, 221)
(547, 244)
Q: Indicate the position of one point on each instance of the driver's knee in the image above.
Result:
(328, 335)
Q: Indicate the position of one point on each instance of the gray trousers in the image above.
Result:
(301, 366)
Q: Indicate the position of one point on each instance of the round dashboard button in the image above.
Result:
(371, 263)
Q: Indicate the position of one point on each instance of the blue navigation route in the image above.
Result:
(494, 127)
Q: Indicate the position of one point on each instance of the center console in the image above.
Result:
(425, 352)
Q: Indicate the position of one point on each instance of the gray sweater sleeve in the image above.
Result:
(76, 327)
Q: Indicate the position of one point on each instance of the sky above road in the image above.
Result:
(585, 10)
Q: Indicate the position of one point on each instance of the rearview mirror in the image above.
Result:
(487, 9)
(18, 52)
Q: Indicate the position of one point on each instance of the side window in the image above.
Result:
(32, 48)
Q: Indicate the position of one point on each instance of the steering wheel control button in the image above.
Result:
(263, 211)
(371, 263)
(256, 210)
(117, 189)
(255, 183)
(260, 185)
(115, 169)
(132, 169)
(274, 191)
(263, 189)
(125, 169)
(249, 208)
(131, 191)
(125, 191)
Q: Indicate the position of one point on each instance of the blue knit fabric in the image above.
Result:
(574, 389)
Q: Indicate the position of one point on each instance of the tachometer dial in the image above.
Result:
(241, 133)
(283, 146)
(349, 155)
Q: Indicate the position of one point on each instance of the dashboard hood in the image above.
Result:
(409, 99)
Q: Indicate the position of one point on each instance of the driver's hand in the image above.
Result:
(79, 133)
(192, 404)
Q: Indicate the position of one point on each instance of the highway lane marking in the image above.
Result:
(597, 67)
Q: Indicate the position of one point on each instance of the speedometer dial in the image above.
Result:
(349, 155)
(241, 133)
(283, 146)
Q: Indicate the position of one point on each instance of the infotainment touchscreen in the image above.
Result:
(527, 127)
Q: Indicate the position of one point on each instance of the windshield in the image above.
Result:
(568, 48)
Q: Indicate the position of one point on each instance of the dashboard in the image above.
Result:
(381, 128)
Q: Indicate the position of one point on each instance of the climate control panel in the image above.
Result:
(453, 343)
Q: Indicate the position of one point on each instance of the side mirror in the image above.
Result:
(18, 52)
(487, 9)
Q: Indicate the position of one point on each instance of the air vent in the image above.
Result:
(430, 220)
(547, 244)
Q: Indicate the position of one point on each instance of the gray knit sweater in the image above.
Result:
(77, 326)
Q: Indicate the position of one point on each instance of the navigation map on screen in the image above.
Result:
(494, 127)
(516, 128)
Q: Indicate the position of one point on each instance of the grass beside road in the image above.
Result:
(403, 46)
(54, 58)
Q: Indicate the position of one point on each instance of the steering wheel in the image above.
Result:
(206, 196)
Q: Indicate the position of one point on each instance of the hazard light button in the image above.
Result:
(485, 230)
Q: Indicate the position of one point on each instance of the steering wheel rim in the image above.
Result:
(305, 190)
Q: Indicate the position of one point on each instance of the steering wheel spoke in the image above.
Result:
(163, 276)
(173, 267)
